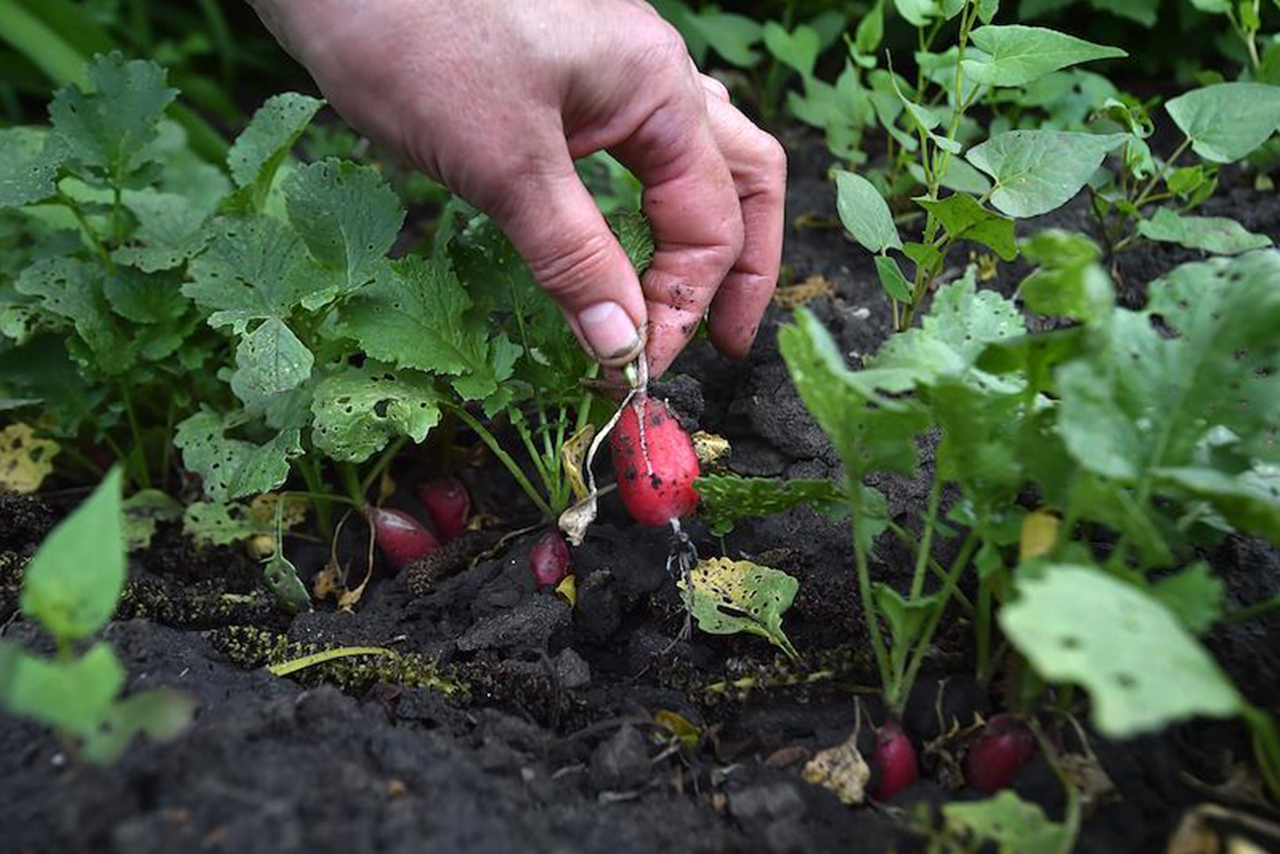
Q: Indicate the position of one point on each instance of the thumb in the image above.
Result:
(556, 227)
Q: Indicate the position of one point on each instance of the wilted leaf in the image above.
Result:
(25, 459)
(739, 596)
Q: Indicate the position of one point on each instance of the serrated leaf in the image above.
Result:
(255, 268)
(270, 361)
(1015, 55)
(416, 316)
(29, 163)
(1227, 121)
(1010, 823)
(70, 695)
(1036, 171)
(229, 467)
(1142, 669)
(871, 430)
(964, 218)
(635, 235)
(110, 129)
(726, 498)
(170, 230)
(267, 139)
(74, 580)
(71, 288)
(347, 215)
(1217, 234)
(865, 213)
(738, 596)
(359, 410)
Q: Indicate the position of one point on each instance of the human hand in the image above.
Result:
(496, 99)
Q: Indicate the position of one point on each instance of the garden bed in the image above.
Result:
(554, 745)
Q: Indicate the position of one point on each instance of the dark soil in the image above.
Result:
(553, 745)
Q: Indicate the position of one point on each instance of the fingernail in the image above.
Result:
(609, 331)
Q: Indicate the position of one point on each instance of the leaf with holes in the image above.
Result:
(231, 467)
(738, 596)
(29, 163)
(265, 142)
(270, 362)
(25, 459)
(359, 410)
(73, 289)
(726, 498)
(1142, 668)
(1010, 823)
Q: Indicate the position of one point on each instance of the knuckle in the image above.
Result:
(570, 265)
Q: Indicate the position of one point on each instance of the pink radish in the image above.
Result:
(400, 536)
(549, 559)
(655, 464)
(448, 504)
(893, 762)
(994, 759)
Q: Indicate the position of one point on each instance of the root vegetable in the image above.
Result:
(655, 464)
(448, 504)
(401, 537)
(893, 762)
(994, 759)
(549, 559)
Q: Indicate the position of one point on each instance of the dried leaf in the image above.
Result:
(568, 588)
(709, 448)
(572, 454)
(842, 770)
(794, 296)
(25, 460)
(740, 596)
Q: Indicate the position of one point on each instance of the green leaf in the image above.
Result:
(732, 36)
(229, 467)
(1248, 501)
(270, 361)
(142, 511)
(635, 235)
(964, 218)
(872, 431)
(29, 163)
(1143, 400)
(891, 279)
(161, 714)
(1015, 55)
(347, 215)
(1195, 594)
(798, 48)
(74, 580)
(917, 12)
(220, 524)
(865, 213)
(255, 268)
(1226, 122)
(416, 316)
(738, 596)
(282, 577)
(870, 31)
(265, 142)
(111, 129)
(170, 230)
(1036, 171)
(1010, 823)
(906, 619)
(726, 498)
(359, 410)
(71, 288)
(1217, 234)
(1142, 669)
(71, 695)
(1070, 280)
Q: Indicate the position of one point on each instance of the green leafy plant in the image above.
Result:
(1096, 420)
(70, 588)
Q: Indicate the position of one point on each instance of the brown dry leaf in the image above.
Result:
(25, 460)
(1091, 781)
(573, 452)
(260, 546)
(794, 296)
(1195, 835)
(328, 582)
(709, 448)
(1039, 534)
(842, 770)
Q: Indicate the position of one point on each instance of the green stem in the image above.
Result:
(1144, 196)
(504, 458)
(909, 540)
(869, 611)
(1265, 608)
(926, 637)
(389, 454)
(90, 232)
(351, 483)
(293, 666)
(166, 455)
(139, 447)
(982, 630)
(926, 539)
(321, 501)
(1071, 821)
(326, 497)
(1266, 746)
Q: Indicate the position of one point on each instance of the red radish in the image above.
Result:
(549, 559)
(448, 504)
(995, 758)
(654, 462)
(894, 762)
(400, 536)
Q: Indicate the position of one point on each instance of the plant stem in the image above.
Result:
(504, 458)
(926, 637)
(389, 454)
(351, 483)
(1265, 608)
(926, 539)
(140, 448)
(89, 231)
(869, 612)
(1144, 196)
(322, 502)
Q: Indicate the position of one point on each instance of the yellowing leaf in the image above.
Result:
(794, 296)
(840, 769)
(568, 588)
(572, 455)
(709, 448)
(739, 596)
(25, 460)
(679, 727)
(1039, 533)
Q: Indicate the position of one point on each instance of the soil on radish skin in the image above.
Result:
(555, 749)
